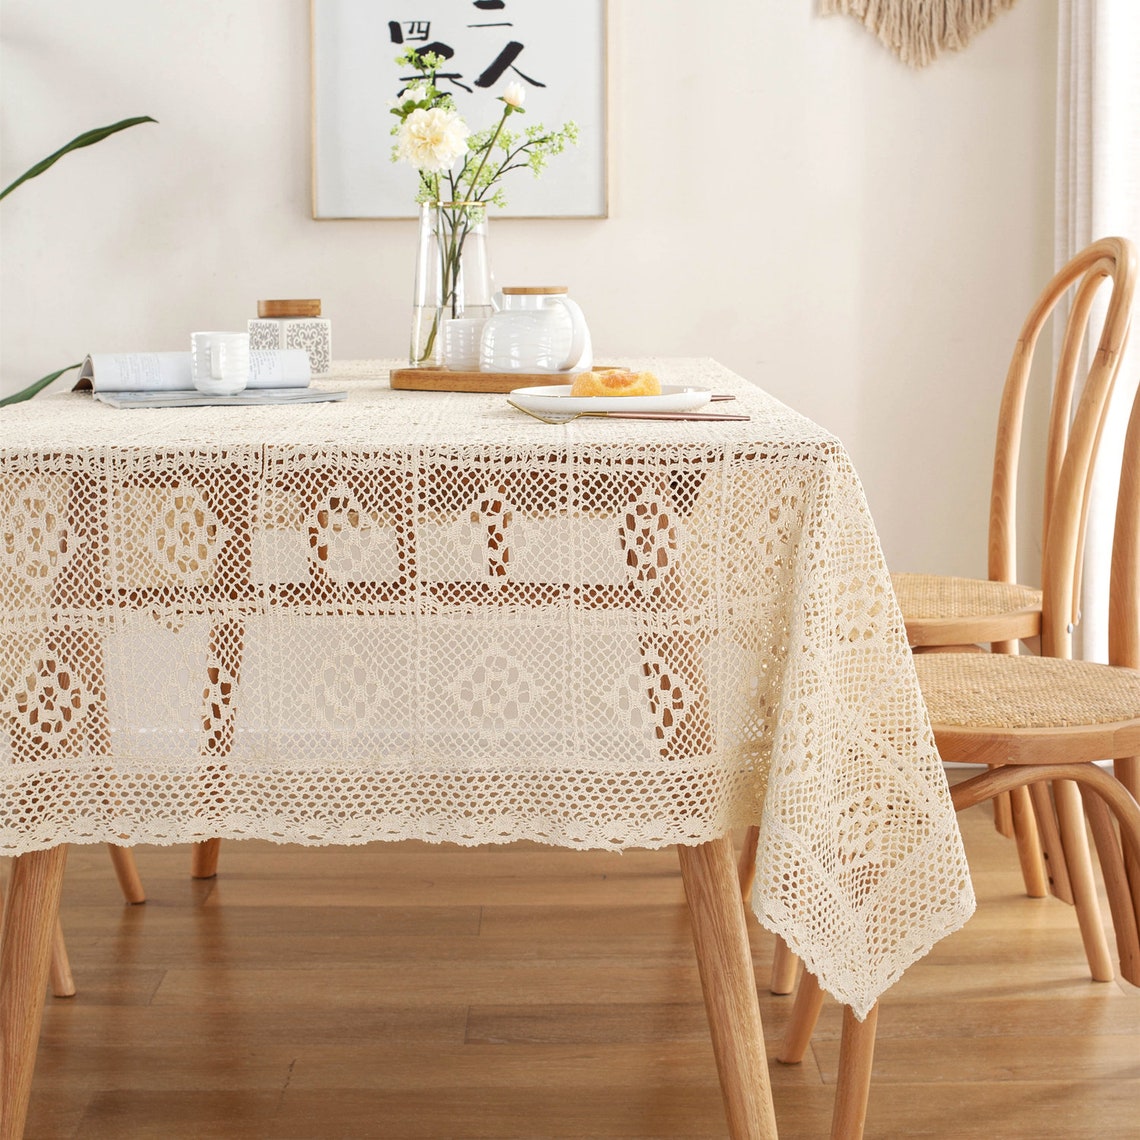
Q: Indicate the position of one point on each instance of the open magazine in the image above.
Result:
(164, 380)
(193, 399)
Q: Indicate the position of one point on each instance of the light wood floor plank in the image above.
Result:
(422, 991)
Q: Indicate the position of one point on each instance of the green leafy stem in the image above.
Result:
(88, 138)
(462, 196)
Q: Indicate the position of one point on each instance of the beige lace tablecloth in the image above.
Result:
(425, 615)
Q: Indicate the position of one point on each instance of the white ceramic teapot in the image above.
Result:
(537, 329)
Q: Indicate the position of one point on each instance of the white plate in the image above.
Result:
(557, 398)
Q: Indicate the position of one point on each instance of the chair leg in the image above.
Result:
(62, 981)
(1125, 917)
(853, 1083)
(785, 965)
(1014, 817)
(1112, 791)
(1002, 803)
(130, 883)
(1075, 843)
(1028, 844)
(127, 872)
(1003, 816)
(25, 960)
(801, 1024)
(1127, 771)
(1039, 849)
(1056, 868)
(724, 958)
(785, 969)
(204, 859)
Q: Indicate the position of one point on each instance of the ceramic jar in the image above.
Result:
(294, 324)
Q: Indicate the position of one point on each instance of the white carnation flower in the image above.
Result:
(431, 140)
(515, 94)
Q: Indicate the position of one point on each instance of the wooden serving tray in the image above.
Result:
(444, 380)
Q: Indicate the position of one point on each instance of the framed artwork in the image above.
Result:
(555, 49)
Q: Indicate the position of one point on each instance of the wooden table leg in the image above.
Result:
(853, 1083)
(25, 957)
(204, 859)
(729, 983)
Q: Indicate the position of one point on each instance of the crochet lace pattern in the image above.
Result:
(427, 615)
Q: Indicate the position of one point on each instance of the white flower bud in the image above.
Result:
(515, 95)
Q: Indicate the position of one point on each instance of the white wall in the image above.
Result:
(861, 239)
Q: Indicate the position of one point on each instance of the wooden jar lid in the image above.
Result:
(532, 290)
(311, 308)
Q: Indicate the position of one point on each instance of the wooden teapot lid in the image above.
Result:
(307, 308)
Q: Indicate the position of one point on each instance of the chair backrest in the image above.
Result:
(1124, 600)
(1124, 578)
(1072, 450)
(1073, 439)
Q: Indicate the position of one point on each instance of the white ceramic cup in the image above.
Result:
(461, 337)
(219, 362)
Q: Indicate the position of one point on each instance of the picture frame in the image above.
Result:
(556, 49)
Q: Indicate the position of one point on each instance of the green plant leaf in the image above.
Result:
(88, 138)
(28, 392)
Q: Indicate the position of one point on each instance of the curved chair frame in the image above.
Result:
(1044, 755)
(1076, 444)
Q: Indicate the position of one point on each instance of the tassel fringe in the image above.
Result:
(918, 31)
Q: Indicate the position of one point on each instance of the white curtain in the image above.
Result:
(1098, 195)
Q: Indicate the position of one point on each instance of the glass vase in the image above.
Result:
(453, 275)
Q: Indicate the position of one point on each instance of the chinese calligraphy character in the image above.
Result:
(506, 58)
(418, 30)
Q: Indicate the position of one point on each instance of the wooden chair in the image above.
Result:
(949, 611)
(943, 612)
(1044, 722)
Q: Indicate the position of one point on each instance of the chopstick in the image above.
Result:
(663, 416)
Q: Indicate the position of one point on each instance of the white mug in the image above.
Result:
(219, 362)
(461, 337)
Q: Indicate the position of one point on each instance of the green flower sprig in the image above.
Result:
(432, 136)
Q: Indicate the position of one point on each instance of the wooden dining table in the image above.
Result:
(426, 615)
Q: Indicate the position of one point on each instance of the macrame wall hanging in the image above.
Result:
(918, 31)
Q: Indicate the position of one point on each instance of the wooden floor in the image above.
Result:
(520, 992)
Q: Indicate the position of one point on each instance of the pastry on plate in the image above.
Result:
(615, 382)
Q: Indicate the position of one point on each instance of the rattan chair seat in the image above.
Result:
(935, 606)
(997, 691)
(934, 595)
